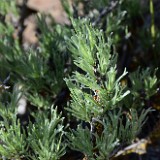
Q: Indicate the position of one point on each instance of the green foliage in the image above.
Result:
(80, 140)
(88, 47)
(107, 113)
(114, 134)
(40, 71)
(97, 61)
(105, 143)
(45, 137)
(145, 81)
(133, 126)
(13, 143)
(7, 5)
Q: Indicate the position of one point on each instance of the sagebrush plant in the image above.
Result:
(45, 137)
(106, 103)
(98, 94)
(40, 76)
(41, 140)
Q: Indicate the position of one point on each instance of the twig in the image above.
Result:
(105, 11)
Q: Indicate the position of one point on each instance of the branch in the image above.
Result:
(105, 11)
